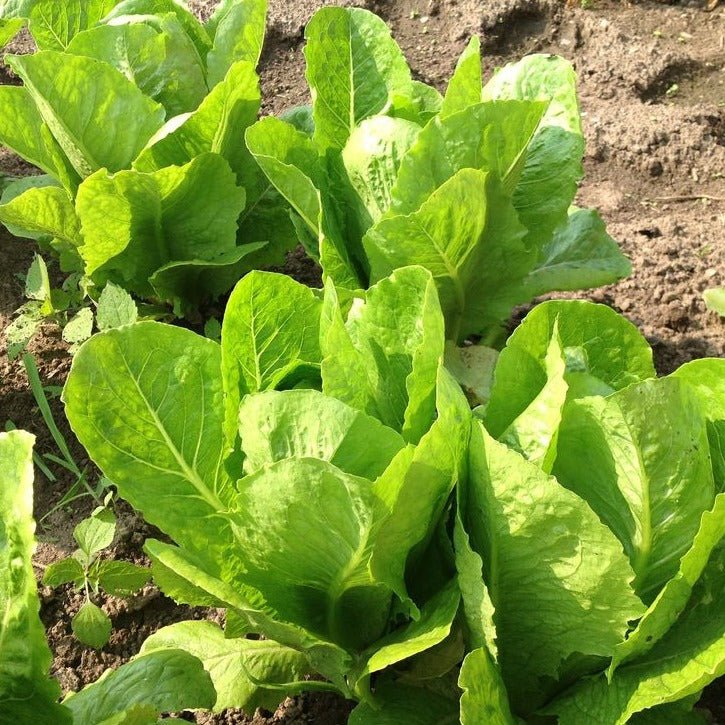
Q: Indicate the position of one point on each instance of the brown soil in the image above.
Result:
(652, 90)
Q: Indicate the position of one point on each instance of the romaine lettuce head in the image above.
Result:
(589, 556)
(476, 186)
(302, 468)
(136, 112)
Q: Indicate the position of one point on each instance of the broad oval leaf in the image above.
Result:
(271, 329)
(680, 665)
(20, 130)
(603, 350)
(541, 543)
(153, 424)
(91, 625)
(95, 532)
(354, 69)
(307, 424)
(305, 532)
(53, 24)
(167, 681)
(155, 53)
(239, 668)
(648, 473)
(107, 134)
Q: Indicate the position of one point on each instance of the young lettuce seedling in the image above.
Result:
(87, 572)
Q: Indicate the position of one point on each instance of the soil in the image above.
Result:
(652, 86)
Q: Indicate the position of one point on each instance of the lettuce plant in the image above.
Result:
(557, 552)
(135, 112)
(476, 186)
(302, 468)
(598, 513)
(587, 536)
(137, 692)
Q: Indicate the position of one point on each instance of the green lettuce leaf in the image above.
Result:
(9, 28)
(603, 351)
(289, 159)
(305, 532)
(416, 487)
(490, 137)
(193, 28)
(239, 668)
(184, 579)
(92, 135)
(396, 704)
(707, 376)
(670, 602)
(190, 283)
(649, 483)
(166, 459)
(484, 696)
(21, 129)
(168, 680)
(430, 629)
(216, 126)
(681, 664)
(53, 25)
(133, 224)
(270, 332)
(391, 346)
(307, 424)
(464, 251)
(541, 543)
(44, 212)
(464, 88)
(553, 165)
(579, 255)
(477, 607)
(535, 431)
(154, 53)
(354, 69)
(371, 159)
(238, 36)
(27, 694)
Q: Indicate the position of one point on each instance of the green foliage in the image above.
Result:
(323, 480)
(136, 111)
(476, 186)
(26, 690)
(138, 691)
(340, 524)
(86, 571)
(715, 300)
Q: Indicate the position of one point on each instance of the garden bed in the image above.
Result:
(652, 91)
